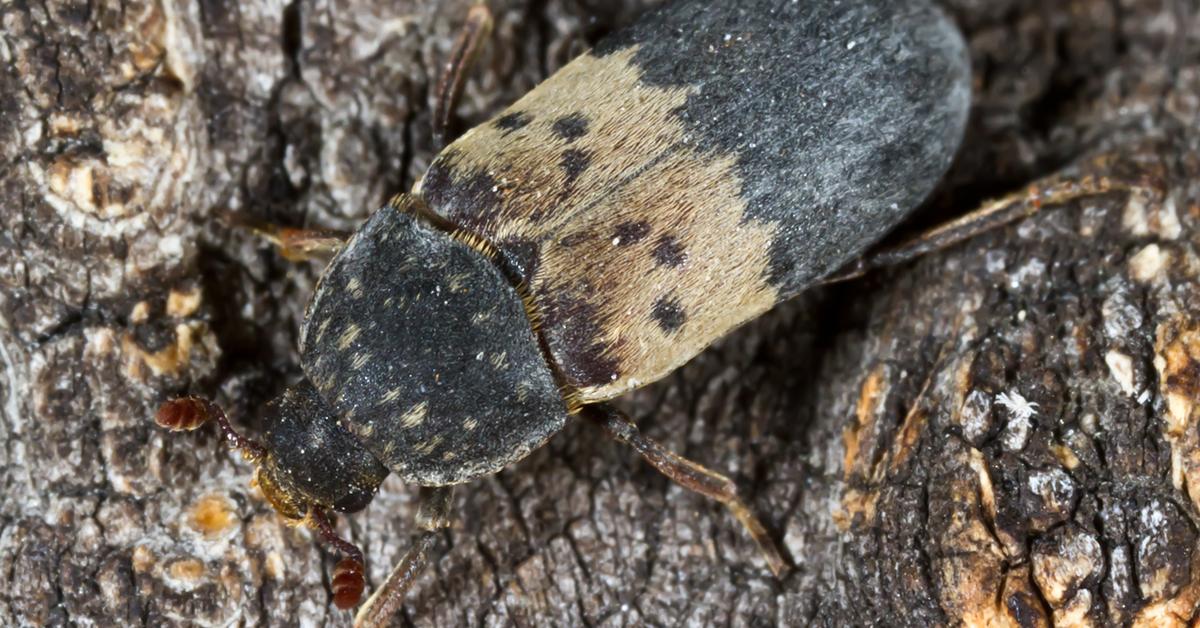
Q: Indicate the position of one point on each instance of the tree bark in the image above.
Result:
(1005, 431)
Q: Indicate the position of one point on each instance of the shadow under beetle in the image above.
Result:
(680, 179)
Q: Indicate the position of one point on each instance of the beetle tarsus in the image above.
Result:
(433, 515)
(474, 31)
(689, 475)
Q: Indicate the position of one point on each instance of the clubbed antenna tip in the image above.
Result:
(348, 583)
(348, 580)
(181, 415)
(188, 413)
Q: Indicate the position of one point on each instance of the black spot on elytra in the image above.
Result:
(575, 333)
(669, 314)
(631, 232)
(466, 198)
(574, 162)
(570, 127)
(669, 252)
(514, 121)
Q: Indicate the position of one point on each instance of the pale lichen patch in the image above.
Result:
(212, 516)
(184, 574)
(1134, 218)
(192, 339)
(143, 559)
(140, 313)
(1064, 560)
(1177, 360)
(1149, 264)
(273, 566)
(183, 303)
(1121, 368)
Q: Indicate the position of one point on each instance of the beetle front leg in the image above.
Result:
(688, 474)
(432, 515)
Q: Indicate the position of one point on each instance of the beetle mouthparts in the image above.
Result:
(181, 415)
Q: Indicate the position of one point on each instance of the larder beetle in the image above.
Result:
(681, 178)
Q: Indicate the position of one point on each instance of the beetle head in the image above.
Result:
(306, 465)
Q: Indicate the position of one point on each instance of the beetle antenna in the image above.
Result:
(348, 581)
(188, 413)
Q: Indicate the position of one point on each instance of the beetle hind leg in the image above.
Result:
(688, 474)
(432, 516)
(992, 215)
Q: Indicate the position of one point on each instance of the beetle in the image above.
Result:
(681, 178)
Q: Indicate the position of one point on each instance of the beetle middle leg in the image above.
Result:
(432, 515)
(688, 474)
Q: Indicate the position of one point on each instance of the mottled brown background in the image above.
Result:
(862, 420)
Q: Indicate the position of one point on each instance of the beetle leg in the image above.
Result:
(303, 244)
(993, 214)
(449, 88)
(432, 516)
(689, 475)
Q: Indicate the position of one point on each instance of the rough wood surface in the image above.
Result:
(877, 425)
